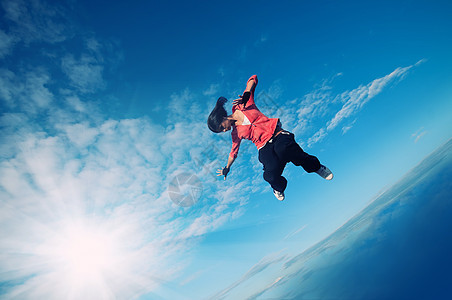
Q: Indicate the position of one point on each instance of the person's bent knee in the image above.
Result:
(269, 177)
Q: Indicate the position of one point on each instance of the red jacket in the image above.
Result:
(261, 129)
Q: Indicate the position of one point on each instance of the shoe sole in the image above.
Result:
(278, 198)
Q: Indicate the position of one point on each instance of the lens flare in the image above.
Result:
(84, 255)
(86, 252)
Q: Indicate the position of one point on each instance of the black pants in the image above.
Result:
(277, 153)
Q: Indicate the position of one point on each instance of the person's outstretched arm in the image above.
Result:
(251, 84)
(247, 98)
(224, 172)
(236, 141)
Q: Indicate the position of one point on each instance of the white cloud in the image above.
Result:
(37, 90)
(319, 103)
(262, 39)
(305, 115)
(85, 73)
(295, 232)
(355, 99)
(8, 88)
(278, 281)
(182, 105)
(255, 270)
(421, 62)
(302, 114)
(212, 90)
(345, 129)
(36, 21)
(6, 43)
(419, 134)
(318, 136)
(27, 91)
(221, 71)
(93, 45)
(81, 134)
(75, 103)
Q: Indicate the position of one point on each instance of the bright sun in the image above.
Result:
(85, 254)
(93, 258)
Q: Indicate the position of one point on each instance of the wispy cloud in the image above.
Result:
(212, 90)
(305, 116)
(348, 127)
(262, 39)
(258, 268)
(295, 232)
(36, 21)
(6, 43)
(85, 73)
(355, 99)
(27, 91)
(278, 281)
(321, 102)
(419, 134)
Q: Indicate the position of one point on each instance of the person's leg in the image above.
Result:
(273, 168)
(287, 149)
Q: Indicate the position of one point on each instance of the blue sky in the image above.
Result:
(103, 105)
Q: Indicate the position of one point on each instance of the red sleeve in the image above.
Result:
(254, 77)
(235, 143)
(251, 101)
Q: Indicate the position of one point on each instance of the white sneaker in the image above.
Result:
(279, 195)
(325, 172)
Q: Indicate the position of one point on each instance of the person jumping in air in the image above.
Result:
(276, 146)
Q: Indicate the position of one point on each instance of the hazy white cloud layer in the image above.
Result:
(84, 208)
(74, 171)
(110, 176)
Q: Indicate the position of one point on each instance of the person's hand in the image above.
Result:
(243, 99)
(237, 101)
(223, 172)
